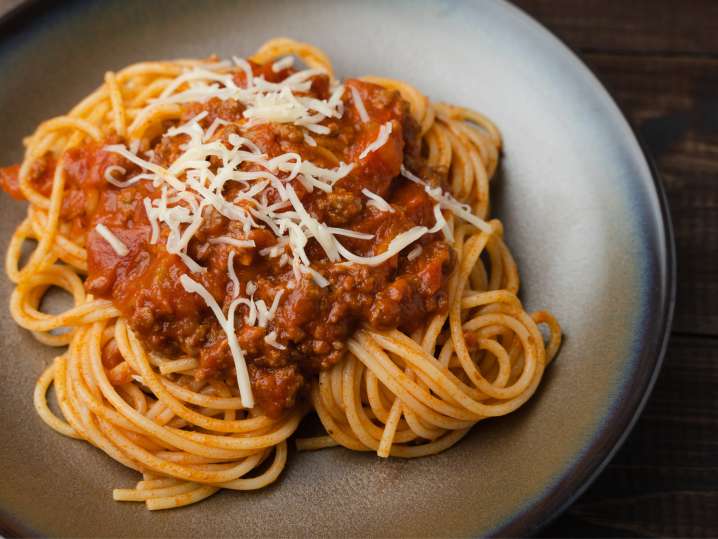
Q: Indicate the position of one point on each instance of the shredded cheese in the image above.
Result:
(381, 139)
(275, 304)
(266, 314)
(115, 242)
(232, 275)
(448, 202)
(414, 253)
(359, 104)
(110, 176)
(317, 277)
(216, 123)
(151, 216)
(284, 63)
(227, 324)
(233, 241)
(376, 201)
(191, 264)
(396, 245)
(309, 140)
(271, 340)
(190, 188)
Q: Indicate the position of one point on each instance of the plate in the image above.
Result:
(583, 213)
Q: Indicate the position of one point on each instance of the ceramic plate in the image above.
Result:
(582, 210)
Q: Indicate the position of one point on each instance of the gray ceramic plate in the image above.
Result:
(582, 211)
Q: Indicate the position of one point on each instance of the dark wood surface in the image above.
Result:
(659, 59)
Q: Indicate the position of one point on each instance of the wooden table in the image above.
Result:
(659, 59)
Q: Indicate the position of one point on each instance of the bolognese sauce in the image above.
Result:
(311, 323)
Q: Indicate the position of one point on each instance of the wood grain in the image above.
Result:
(673, 102)
(665, 27)
(663, 481)
(659, 59)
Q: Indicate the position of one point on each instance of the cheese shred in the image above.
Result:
(115, 242)
(227, 324)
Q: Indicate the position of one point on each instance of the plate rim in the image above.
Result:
(532, 520)
(580, 474)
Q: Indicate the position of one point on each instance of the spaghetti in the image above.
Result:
(245, 243)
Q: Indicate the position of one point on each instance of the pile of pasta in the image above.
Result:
(394, 394)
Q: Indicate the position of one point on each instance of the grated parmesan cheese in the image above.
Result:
(376, 201)
(110, 178)
(271, 340)
(191, 264)
(216, 123)
(318, 278)
(284, 63)
(232, 275)
(227, 324)
(115, 242)
(381, 139)
(190, 187)
(359, 104)
(414, 253)
(233, 241)
(448, 202)
(309, 139)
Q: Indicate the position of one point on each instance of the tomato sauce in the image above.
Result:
(312, 324)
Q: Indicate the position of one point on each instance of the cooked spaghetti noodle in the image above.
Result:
(440, 342)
